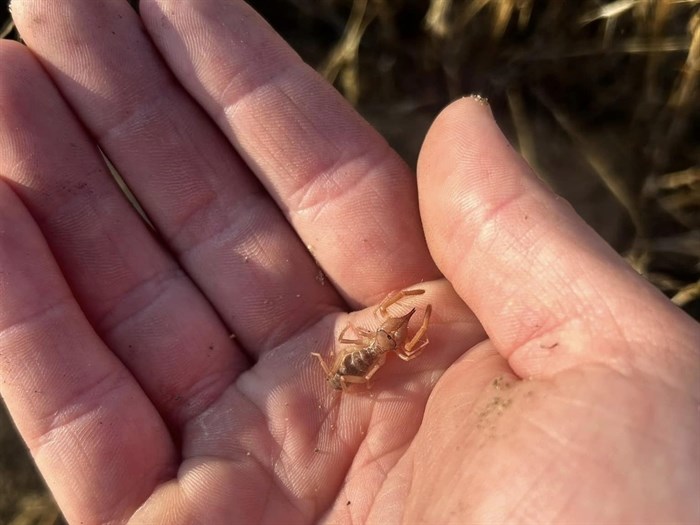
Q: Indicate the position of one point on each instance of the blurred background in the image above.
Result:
(601, 98)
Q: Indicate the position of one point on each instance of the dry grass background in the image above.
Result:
(601, 97)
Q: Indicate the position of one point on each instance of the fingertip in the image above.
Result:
(466, 167)
(29, 103)
(469, 115)
(8, 48)
(20, 72)
(464, 135)
(15, 59)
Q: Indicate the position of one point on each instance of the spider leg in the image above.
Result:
(416, 352)
(409, 347)
(364, 334)
(393, 298)
(322, 362)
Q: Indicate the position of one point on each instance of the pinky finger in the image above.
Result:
(95, 436)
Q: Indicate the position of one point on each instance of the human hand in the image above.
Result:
(570, 393)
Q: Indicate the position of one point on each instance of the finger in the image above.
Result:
(347, 194)
(137, 299)
(548, 290)
(96, 438)
(215, 216)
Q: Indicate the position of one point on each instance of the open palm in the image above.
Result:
(163, 374)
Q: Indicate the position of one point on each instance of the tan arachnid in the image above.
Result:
(358, 361)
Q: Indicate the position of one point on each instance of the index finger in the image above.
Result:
(349, 196)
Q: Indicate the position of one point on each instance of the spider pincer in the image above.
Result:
(360, 358)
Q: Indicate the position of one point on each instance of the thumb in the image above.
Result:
(549, 291)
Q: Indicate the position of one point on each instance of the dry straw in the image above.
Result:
(600, 97)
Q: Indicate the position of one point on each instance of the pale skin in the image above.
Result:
(558, 385)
